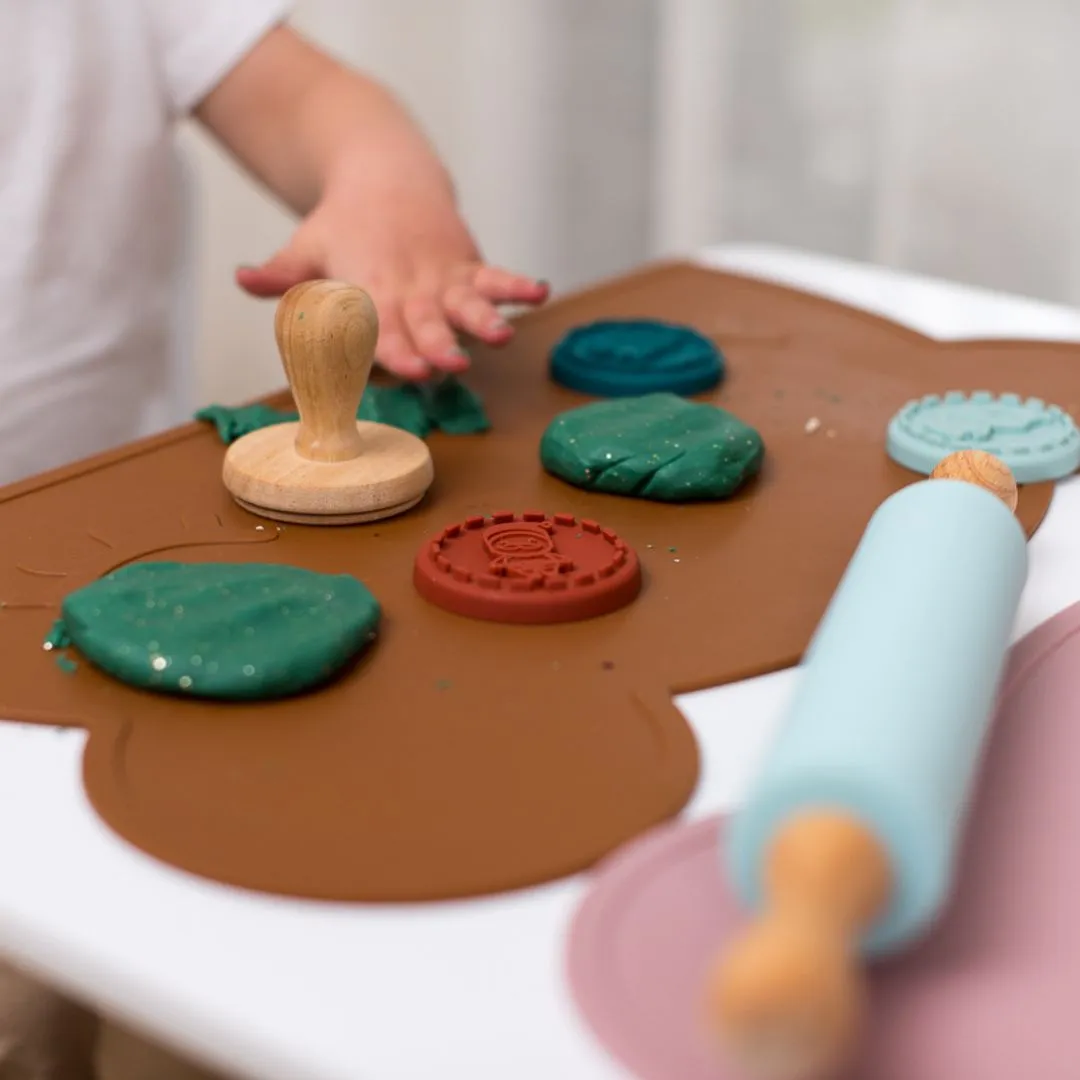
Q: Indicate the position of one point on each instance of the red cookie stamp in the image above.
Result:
(528, 568)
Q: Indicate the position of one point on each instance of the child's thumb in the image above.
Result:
(278, 274)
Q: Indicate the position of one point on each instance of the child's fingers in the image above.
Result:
(503, 287)
(475, 314)
(396, 353)
(255, 281)
(425, 321)
(277, 275)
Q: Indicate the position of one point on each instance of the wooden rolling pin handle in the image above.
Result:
(981, 469)
(326, 333)
(787, 998)
(828, 868)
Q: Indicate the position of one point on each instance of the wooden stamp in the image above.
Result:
(329, 468)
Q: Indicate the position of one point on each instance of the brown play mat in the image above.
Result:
(463, 756)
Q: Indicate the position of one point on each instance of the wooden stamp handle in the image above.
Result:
(326, 334)
(787, 998)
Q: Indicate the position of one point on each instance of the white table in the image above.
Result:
(281, 990)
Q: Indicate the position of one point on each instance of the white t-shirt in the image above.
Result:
(93, 219)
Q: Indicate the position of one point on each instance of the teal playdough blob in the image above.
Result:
(659, 446)
(630, 357)
(1038, 442)
(451, 407)
(232, 423)
(220, 630)
(398, 406)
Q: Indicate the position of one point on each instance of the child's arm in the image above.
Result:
(378, 206)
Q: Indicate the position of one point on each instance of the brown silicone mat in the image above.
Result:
(462, 757)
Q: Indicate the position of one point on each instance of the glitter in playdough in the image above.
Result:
(57, 638)
(219, 630)
(626, 358)
(658, 447)
(447, 406)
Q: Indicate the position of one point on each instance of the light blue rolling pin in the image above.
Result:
(846, 843)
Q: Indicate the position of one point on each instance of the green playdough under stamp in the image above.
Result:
(446, 405)
(220, 630)
(658, 446)
(1038, 442)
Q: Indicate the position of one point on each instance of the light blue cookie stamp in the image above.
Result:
(1038, 442)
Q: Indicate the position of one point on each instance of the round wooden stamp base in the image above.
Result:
(327, 519)
(266, 475)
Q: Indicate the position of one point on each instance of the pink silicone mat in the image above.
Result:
(992, 994)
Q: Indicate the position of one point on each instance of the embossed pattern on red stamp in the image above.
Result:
(528, 568)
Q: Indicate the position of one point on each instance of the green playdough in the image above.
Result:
(399, 406)
(658, 446)
(453, 408)
(231, 424)
(219, 630)
(446, 405)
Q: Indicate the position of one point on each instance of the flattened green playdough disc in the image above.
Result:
(220, 630)
(631, 357)
(658, 446)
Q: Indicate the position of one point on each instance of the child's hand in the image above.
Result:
(378, 206)
(409, 248)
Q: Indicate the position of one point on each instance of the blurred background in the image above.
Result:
(586, 136)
